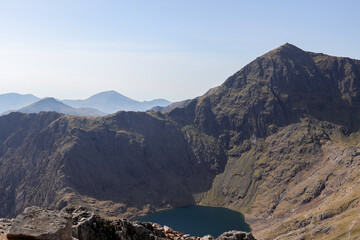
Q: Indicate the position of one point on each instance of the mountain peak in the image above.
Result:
(51, 104)
(110, 92)
(45, 104)
(112, 101)
(285, 65)
(48, 99)
(286, 50)
(288, 46)
(109, 95)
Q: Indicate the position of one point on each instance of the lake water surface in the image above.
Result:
(199, 220)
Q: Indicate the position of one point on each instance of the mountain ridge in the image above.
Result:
(112, 101)
(106, 102)
(15, 101)
(278, 141)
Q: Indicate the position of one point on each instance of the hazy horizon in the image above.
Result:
(86, 97)
(163, 49)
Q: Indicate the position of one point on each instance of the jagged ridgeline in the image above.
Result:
(278, 141)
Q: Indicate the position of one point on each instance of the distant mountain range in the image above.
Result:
(112, 101)
(50, 104)
(14, 101)
(170, 107)
(97, 105)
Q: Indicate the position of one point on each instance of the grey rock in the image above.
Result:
(82, 224)
(236, 235)
(5, 225)
(207, 237)
(38, 223)
(88, 226)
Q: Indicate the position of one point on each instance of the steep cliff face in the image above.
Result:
(289, 123)
(279, 141)
(29, 164)
(133, 159)
(275, 90)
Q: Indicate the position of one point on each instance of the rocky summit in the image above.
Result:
(279, 141)
(81, 224)
(40, 223)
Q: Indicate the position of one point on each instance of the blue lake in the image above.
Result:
(199, 220)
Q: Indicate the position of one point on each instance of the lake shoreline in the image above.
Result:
(199, 219)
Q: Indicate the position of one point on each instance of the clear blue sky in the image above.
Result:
(159, 48)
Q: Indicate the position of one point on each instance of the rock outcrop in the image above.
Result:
(236, 235)
(89, 226)
(5, 225)
(82, 224)
(38, 223)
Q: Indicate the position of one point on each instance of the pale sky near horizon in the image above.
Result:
(71, 49)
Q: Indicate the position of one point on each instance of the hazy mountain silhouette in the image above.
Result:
(112, 101)
(104, 102)
(14, 101)
(51, 104)
(170, 107)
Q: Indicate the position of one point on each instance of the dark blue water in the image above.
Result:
(199, 220)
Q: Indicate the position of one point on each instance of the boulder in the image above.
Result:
(5, 225)
(207, 237)
(38, 223)
(89, 226)
(236, 235)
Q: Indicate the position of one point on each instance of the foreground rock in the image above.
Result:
(38, 223)
(88, 226)
(81, 224)
(5, 225)
(236, 235)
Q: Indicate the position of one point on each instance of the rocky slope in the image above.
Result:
(81, 224)
(278, 141)
(119, 164)
(289, 122)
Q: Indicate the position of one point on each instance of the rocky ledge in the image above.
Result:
(81, 224)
